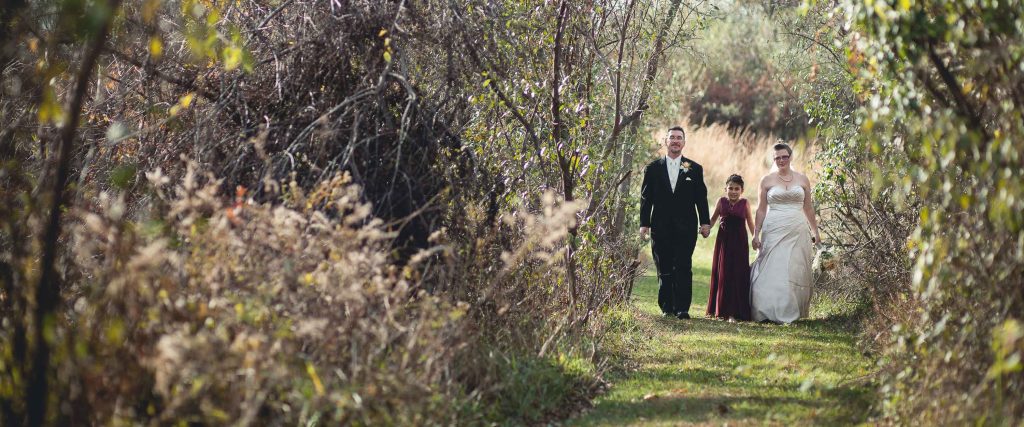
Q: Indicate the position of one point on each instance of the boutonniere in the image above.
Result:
(685, 167)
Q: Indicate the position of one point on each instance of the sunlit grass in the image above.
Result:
(704, 371)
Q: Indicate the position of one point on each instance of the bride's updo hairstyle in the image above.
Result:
(779, 145)
(734, 178)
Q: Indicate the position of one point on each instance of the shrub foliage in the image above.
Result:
(927, 180)
(296, 212)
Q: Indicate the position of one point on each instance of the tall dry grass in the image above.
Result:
(203, 308)
(723, 152)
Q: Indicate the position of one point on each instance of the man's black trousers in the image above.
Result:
(673, 256)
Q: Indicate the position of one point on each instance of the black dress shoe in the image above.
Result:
(667, 314)
(683, 315)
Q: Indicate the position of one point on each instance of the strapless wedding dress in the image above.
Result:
(780, 278)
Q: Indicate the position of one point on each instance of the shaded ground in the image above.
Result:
(708, 372)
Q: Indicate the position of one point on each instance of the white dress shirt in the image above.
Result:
(673, 170)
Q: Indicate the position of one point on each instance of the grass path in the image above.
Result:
(708, 372)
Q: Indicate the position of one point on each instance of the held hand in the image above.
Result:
(705, 230)
(644, 231)
(756, 244)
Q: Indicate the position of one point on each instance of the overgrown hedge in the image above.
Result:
(927, 180)
(296, 212)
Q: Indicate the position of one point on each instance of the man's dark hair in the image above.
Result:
(734, 178)
(784, 146)
(678, 128)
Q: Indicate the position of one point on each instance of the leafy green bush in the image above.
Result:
(940, 129)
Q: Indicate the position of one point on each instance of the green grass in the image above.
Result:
(709, 372)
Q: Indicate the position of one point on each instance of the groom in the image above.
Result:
(672, 197)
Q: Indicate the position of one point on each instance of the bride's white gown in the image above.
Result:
(780, 278)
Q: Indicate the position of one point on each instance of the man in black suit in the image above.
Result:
(672, 199)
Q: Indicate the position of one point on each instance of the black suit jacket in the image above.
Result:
(668, 212)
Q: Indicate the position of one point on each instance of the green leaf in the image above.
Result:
(123, 176)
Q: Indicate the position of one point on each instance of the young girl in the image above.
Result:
(730, 267)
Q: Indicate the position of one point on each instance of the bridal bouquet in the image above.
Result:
(824, 259)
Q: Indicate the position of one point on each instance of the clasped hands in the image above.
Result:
(705, 231)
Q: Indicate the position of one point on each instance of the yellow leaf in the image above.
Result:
(50, 110)
(968, 87)
(880, 8)
(186, 100)
(156, 47)
(383, 32)
(316, 379)
(232, 57)
(456, 314)
(213, 18)
(115, 332)
(387, 56)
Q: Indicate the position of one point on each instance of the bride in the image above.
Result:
(780, 278)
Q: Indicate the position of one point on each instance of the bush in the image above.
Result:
(747, 75)
(212, 310)
(939, 128)
(250, 311)
(261, 285)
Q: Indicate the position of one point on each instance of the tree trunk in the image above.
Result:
(48, 289)
(631, 123)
